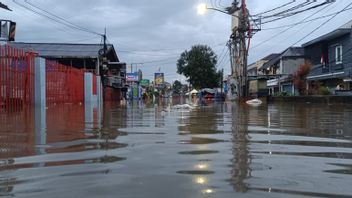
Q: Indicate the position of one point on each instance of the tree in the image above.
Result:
(199, 66)
(176, 87)
(299, 78)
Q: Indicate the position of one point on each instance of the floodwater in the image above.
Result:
(153, 150)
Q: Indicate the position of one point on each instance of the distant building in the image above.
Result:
(331, 57)
(257, 77)
(280, 70)
(252, 70)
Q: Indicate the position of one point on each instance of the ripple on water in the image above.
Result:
(195, 172)
(199, 140)
(201, 152)
(12, 165)
(344, 169)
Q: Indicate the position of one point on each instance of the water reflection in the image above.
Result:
(241, 157)
(152, 150)
(39, 137)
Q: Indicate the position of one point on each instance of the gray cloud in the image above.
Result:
(152, 30)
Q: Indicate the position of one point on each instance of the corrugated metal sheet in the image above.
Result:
(294, 52)
(348, 25)
(330, 36)
(271, 62)
(63, 50)
(269, 57)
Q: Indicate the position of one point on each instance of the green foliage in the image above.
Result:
(199, 66)
(176, 87)
(324, 91)
(299, 78)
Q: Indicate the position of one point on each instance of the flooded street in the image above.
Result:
(155, 150)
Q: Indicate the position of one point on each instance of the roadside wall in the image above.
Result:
(311, 99)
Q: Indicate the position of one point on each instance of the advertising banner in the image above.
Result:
(159, 78)
(132, 77)
(144, 82)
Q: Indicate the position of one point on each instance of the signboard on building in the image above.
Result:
(132, 77)
(144, 82)
(159, 79)
(7, 30)
(272, 83)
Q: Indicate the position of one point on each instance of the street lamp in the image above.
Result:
(202, 9)
(241, 30)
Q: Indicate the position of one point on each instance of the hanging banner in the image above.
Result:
(144, 82)
(7, 30)
(132, 77)
(159, 78)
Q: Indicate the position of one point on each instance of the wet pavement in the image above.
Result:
(154, 150)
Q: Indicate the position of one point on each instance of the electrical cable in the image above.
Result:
(295, 13)
(223, 57)
(54, 18)
(66, 21)
(276, 8)
(298, 23)
(281, 32)
(301, 5)
(322, 25)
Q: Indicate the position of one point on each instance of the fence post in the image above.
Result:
(99, 90)
(39, 85)
(88, 87)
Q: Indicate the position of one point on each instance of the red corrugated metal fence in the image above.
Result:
(16, 78)
(94, 84)
(64, 84)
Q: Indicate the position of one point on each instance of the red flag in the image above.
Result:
(322, 60)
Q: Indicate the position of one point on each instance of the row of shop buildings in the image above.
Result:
(330, 57)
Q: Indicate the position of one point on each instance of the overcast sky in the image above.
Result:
(155, 32)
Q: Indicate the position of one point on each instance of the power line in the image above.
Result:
(222, 53)
(145, 52)
(301, 5)
(68, 22)
(276, 8)
(160, 61)
(290, 14)
(279, 33)
(302, 22)
(168, 60)
(322, 24)
(55, 18)
(224, 57)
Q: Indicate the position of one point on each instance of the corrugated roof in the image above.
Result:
(348, 25)
(274, 59)
(64, 50)
(289, 52)
(342, 30)
(251, 66)
(270, 56)
(293, 52)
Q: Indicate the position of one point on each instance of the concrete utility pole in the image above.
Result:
(241, 30)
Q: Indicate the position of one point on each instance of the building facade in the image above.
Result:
(280, 70)
(331, 59)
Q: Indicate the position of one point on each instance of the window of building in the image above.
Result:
(338, 54)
